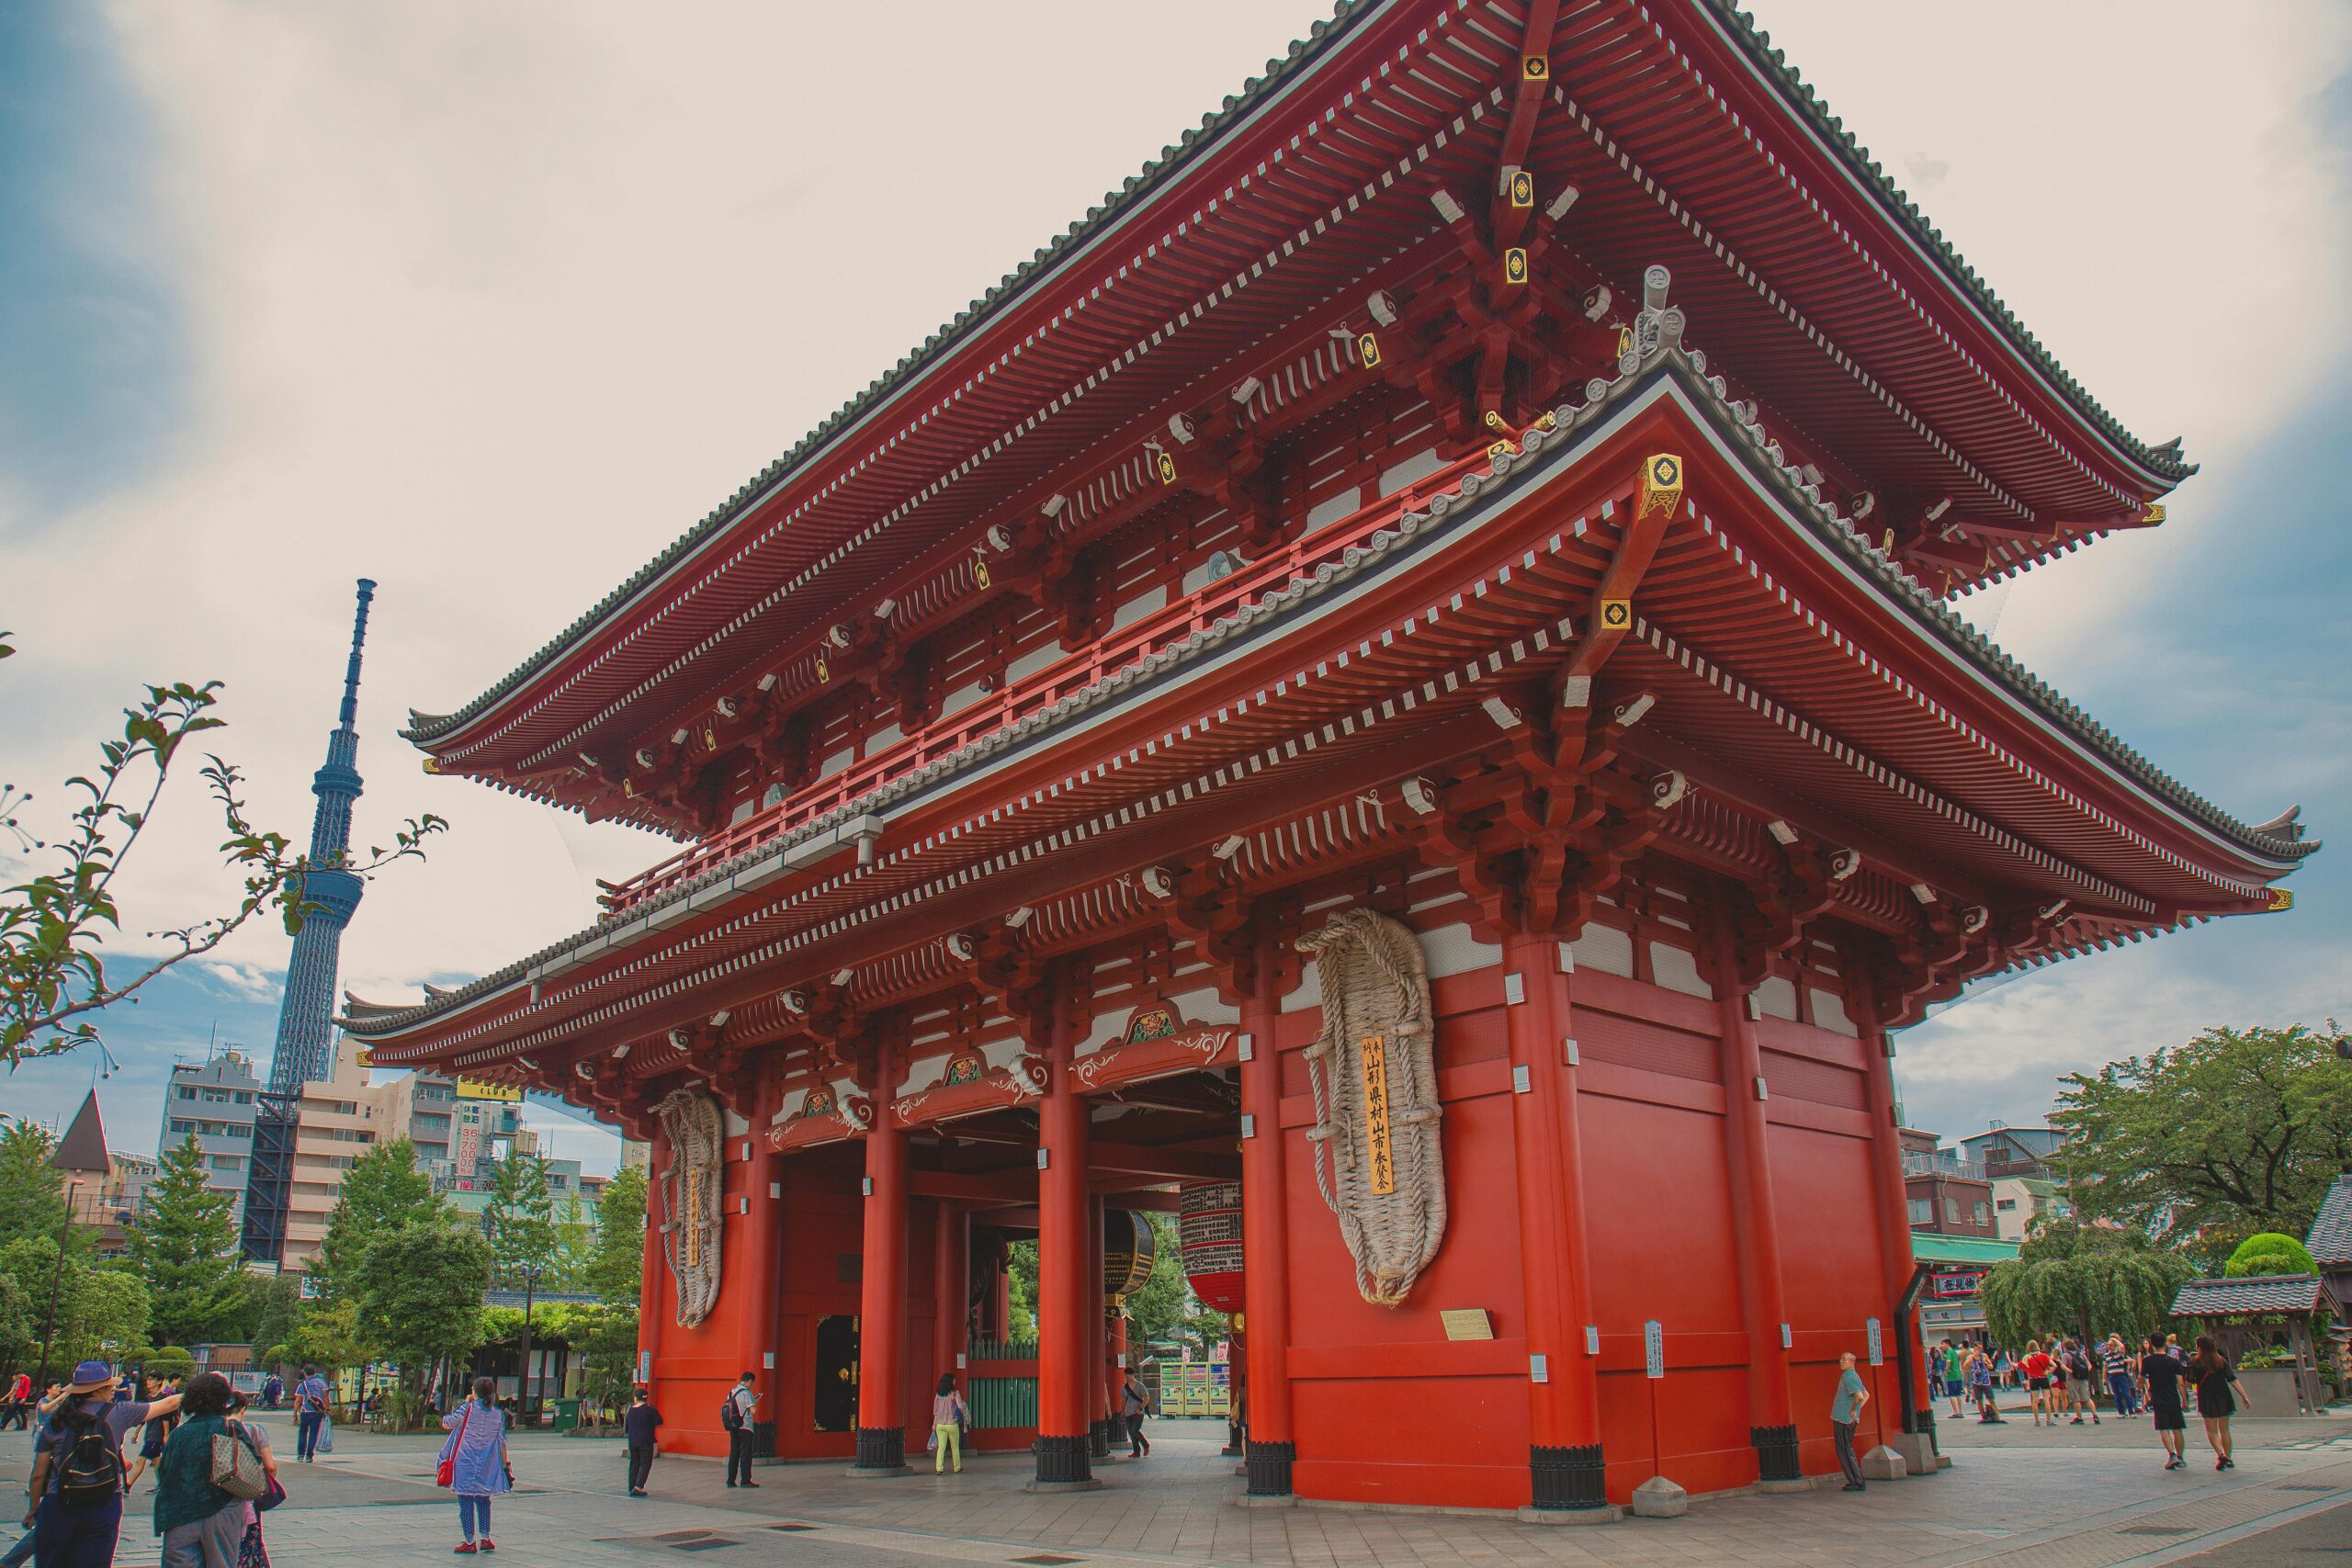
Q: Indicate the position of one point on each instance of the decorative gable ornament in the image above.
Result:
(1378, 1162)
(692, 1227)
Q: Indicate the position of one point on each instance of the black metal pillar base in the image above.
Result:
(1567, 1477)
(1269, 1465)
(764, 1439)
(881, 1450)
(1064, 1464)
(1098, 1437)
(1232, 1441)
(1776, 1453)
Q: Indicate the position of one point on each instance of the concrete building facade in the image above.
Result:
(213, 1102)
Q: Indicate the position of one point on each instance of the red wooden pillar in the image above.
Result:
(1269, 1444)
(654, 1312)
(951, 1269)
(882, 1293)
(1755, 1225)
(1565, 1463)
(757, 1328)
(1098, 1219)
(1899, 1329)
(1069, 1302)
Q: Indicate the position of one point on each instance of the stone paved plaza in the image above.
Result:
(2092, 1497)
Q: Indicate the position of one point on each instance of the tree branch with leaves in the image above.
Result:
(54, 977)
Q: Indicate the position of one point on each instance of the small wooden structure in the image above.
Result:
(2243, 1313)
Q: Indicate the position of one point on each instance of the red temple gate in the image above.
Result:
(1342, 540)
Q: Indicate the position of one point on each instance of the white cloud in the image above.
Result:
(247, 982)
(491, 302)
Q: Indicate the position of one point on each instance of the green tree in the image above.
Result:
(1021, 1289)
(617, 1272)
(520, 1216)
(331, 1334)
(103, 1315)
(2235, 1132)
(272, 1306)
(2268, 1252)
(20, 1326)
(420, 1296)
(53, 975)
(605, 1337)
(168, 1361)
(1166, 1308)
(384, 1190)
(575, 1245)
(2089, 1280)
(185, 1246)
(32, 1199)
(96, 1311)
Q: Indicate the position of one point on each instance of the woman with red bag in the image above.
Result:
(473, 1463)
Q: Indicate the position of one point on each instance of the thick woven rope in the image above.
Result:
(1377, 1009)
(690, 1199)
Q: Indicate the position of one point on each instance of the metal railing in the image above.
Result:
(1138, 641)
(1922, 1162)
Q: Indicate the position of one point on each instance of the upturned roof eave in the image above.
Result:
(427, 731)
(2162, 465)
(1702, 399)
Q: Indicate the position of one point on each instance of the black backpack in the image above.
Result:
(92, 1469)
(729, 1417)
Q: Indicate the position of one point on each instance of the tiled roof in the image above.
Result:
(2330, 1243)
(2257, 1292)
(1928, 1247)
(374, 1021)
(2164, 460)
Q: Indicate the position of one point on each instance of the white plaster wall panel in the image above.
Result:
(1149, 601)
(960, 698)
(1777, 998)
(1029, 664)
(1605, 949)
(1677, 971)
(1405, 470)
(1456, 950)
(1829, 1012)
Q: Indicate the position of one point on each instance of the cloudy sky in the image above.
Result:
(488, 303)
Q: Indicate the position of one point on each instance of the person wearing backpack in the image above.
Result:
(76, 1484)
(735, 1414)
(310, 1414)
(202, 1524)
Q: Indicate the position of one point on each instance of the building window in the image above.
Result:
(216, 1097)
(227, 1162)
(2005, 1204)
(1922, 1211)
(183, 1092)
(182, 1124)
(1981, 1217)
(245, 1097)
(1952, 1210)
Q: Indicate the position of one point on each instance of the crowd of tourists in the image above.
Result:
(2063, 1379)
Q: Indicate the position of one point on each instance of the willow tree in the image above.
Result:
(2086, 1281)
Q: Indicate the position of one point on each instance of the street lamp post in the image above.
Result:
(56, 1283)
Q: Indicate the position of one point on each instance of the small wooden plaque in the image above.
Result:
(1467, 1323)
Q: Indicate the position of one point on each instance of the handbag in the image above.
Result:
(325, 1445)
(236, 1468)
(271, 1498)
(251, 1553)
(446, 1473)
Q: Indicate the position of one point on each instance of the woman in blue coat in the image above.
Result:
(476, 1457)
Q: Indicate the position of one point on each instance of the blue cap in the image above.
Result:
(89, 1374)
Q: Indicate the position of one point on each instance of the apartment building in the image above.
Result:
(212, 1100)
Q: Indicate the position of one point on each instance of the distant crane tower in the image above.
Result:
(305, 1046)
